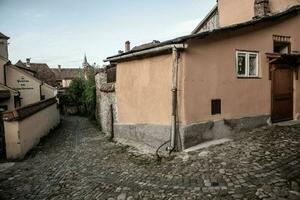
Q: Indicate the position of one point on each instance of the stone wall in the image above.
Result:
(106, 103)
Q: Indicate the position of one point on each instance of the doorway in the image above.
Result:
(282, 94)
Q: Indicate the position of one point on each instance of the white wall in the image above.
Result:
(21, 136)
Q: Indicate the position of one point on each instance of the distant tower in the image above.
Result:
(85, 63)
(86, 66)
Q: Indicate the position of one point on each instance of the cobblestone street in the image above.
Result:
(77, 162)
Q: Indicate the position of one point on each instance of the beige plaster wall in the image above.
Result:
(233, 11)
(210, 73)
(27, 85)
(12, 140)
(48, 91)
(20, 136)
(143, 90)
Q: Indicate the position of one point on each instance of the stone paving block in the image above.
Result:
(76, 161)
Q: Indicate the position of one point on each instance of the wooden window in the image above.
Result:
(216, 106)
(247, 64)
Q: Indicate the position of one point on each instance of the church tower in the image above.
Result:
(86, 67)
(85, 64)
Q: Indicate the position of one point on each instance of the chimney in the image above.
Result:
(59, 67)
(28, 62)
(261, 8)
(127, 46)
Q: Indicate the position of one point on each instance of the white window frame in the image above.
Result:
(248, 53)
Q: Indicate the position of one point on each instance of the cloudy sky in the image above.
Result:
(61, 31)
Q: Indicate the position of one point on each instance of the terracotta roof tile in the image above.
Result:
(26, 111)
(66, 73)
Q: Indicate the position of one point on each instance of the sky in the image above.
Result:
(62, 31)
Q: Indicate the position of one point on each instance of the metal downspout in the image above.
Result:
(175, 55)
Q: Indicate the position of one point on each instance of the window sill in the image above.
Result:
(249, 77)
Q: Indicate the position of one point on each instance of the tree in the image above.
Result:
(82, 93)
(89, 94)
(76, 90)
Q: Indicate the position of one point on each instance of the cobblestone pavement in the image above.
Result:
(77, 162)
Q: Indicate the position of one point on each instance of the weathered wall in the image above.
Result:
(27, 85)
(233, 11)
(143, 91)
(20, 136)
(210, 73)
(104, 101)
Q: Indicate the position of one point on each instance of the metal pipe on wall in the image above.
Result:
(175, 56)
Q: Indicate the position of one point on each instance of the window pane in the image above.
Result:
(253, 65)
(241, 64)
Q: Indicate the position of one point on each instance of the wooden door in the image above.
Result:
(282, 94)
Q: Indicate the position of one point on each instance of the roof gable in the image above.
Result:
(210, 22)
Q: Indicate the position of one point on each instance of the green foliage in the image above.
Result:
(82, 93)
(76, 90)
(89, 94)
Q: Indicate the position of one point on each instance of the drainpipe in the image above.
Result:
(175, 55)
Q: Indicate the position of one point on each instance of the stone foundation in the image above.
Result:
(154, 136)
(194, 134)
